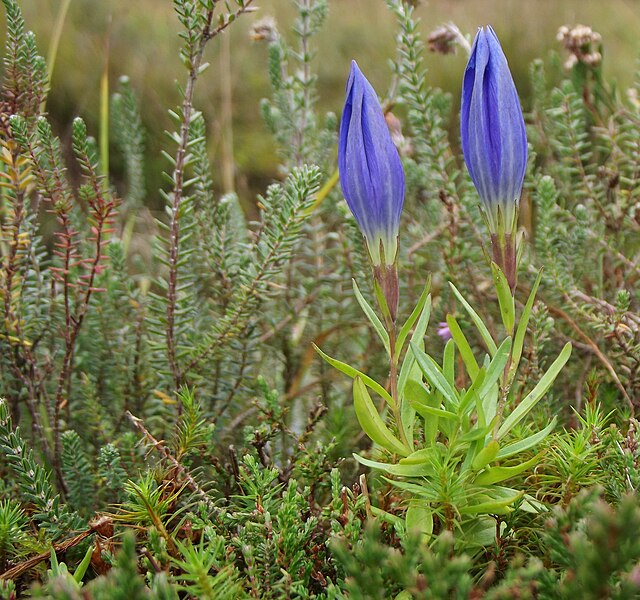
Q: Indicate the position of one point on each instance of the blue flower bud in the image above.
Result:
(494, 141)
(371, 173)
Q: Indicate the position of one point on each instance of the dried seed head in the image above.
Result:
(582, 43)
(446, 38)
(442, 40)
(403, 144)
(265, 29)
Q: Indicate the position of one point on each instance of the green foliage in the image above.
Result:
(158, 375)
(111, 472)
(597, 547)
(130, 139)
(376, 570)
(289, 114)
(588, 550)
(32, 481)
(25, 71)
(455, 463)
(196, 564)
(78, 472)
(13, 523)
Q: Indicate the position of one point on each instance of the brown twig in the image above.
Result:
(95, 527)
(191, 483)
(558, 312)
(195, 62)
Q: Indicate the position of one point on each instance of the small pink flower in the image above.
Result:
(443, 331)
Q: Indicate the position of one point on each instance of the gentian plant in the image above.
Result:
(455, 439)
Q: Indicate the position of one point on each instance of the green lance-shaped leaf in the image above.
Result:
(449, 363)
(424, 455)
(353, 373)
(409, 369)
(80, 571)
(477, 433)
(521, 330)
(464, 348)
(471, 397)
(496, 367)
(426, 411)
(382, 301)
(419, 398)
(497, 474)
(505, 298)
(424, 303)
(419, 517)
(371, 421)
(489, 390)
(416, 338)
(416, 469)
(434, 375)
(536, 393)
(373, 318)
(492, 507)
(486, 455)
(386, 516)
(528, 442)
(407, 411)
(477, 321)
(417, 490)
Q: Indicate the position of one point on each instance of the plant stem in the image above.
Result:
(196, 51)
(393, 383)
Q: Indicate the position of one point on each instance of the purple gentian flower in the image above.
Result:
(371, 173)
(494, 141)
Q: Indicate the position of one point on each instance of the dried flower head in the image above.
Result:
(446, 39)
(583, 45)
(442, 40)
(265, 29)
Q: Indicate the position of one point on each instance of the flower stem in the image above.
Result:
(393, 383)
(504, 255)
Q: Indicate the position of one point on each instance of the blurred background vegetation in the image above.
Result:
(137, 38)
